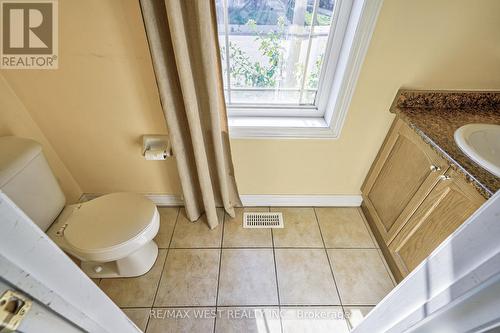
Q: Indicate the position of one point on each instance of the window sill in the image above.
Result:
(279, 127)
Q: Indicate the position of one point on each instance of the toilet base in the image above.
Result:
(135, 264)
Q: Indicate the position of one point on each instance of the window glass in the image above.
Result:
(273, 50)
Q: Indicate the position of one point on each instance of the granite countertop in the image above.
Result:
(435, 115)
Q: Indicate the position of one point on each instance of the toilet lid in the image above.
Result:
(108, 221)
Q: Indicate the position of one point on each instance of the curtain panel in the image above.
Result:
(182, 37)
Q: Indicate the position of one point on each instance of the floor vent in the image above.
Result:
(262, 220)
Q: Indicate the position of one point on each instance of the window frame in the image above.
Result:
(354, 22)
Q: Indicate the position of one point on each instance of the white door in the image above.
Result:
(62, 294)
(20, 313)
(456, 289)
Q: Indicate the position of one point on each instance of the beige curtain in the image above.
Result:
(182, 36)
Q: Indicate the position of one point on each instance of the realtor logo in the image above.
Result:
(29, 34)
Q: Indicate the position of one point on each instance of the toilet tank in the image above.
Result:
(26, 178)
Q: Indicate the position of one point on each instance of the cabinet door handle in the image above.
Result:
(444, 177)
(435, 168)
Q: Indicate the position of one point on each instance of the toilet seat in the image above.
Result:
(109, 227)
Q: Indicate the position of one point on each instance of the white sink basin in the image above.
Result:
(481, 142)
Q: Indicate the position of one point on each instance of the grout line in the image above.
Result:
(351, 248)
(299, 247)
(276, 270)
(286, 306)
(220, 265)
(184, 307)
(269, 248)
(250, 306)
(243, 306)
(367, 226)
(175, 225)
(149, 318)
(387, 268)
(328, 257)
(349, 326)
(283, 305)
(391, 276)
(163, 267)
(377, 247)
(249, 247)
(196, 248)
(276, 276)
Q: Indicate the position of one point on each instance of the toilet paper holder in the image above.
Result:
(156, 147)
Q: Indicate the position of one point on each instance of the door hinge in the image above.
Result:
(13, 308)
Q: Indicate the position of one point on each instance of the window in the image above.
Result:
(279, 60)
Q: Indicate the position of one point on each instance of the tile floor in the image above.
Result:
(322, 273)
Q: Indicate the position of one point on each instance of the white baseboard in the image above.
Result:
(252, 200)
(301, 200)
(166, 199)
(158, 199)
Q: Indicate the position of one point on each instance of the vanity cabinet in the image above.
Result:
(444, 209)
(402, 175)
(413, 200)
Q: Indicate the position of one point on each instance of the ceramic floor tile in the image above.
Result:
(314, 320)
(181, 320)
(343, 228)
(168, 215)
(197, 234)
(304, 277)
(361, 276)
(247, 277)
(137, 291)
(374, 240)
(236, 236)
(189, 278)
(356, 314)
(301, 228)
(387, 267)
(248, 320)
(139, 316)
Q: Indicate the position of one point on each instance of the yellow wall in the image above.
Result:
(16, 120)
(96, 106)
(102, 99)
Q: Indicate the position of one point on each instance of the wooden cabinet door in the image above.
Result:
(405, 170)
(446, 207)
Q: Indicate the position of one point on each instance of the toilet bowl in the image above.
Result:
(112, 234)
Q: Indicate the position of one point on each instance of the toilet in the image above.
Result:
(112, 234)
